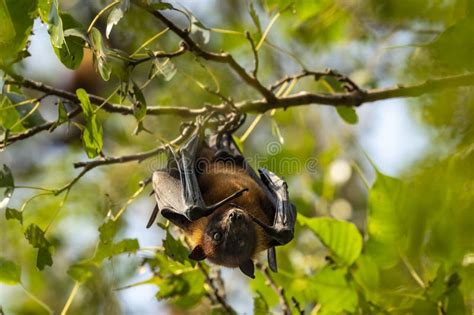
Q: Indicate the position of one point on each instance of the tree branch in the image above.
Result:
(107, 106)
(354, 98)
(285, 305)
(207, 55)
(359, 97)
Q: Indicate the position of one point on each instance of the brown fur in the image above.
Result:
(220, 180)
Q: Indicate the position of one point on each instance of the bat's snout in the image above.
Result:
(235, 216)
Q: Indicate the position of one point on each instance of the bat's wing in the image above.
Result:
(282, 230)
(177, 191)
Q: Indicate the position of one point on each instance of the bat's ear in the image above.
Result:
(248, 268)
(197, 253)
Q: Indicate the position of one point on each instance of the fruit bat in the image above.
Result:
(228, 212)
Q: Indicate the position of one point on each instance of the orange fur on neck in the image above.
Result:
(195, 231)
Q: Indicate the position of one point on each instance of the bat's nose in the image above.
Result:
(235, 216)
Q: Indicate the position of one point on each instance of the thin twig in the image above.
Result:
(215, 290)
(296, 304)
(159, 54)
(255, 53)
(88, 165)
(285, 305)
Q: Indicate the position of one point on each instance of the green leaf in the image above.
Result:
(185, 289)
(238, 142)
(175, 249)
(200, 31)
(72, 52)
(92, 138)
(10, 273)
(100, 55)
(455, 303)
(16, 23)
(255, 18)
(260, 306)
(383, 223)
(107, 231)
(13, 214)
(81, 272)
(125, 246)
(44, 7)
(7, 182)
(107, 250)
(340, 237)
(139, 103)
(85, 103)
(165, 68)
(44, 258)
(161, 6)
(6, 178)
(348, 114)
(367, 275)
(9, 115)
(29, 117)
(55, 25)
(77, 32)
(35, 236)
(62, 113)
(116, 15)
(333, 291)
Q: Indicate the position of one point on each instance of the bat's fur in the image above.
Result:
(217, 180)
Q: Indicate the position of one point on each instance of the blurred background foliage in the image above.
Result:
(403, 173)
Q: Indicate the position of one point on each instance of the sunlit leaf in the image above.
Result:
(161, 5)
(175, 249)
(139, 103)
(9, 115)
(116, 15)
(125, 246)
(92, 134)
(348, 114)
(81, 272)
(16, 20)
(44, 7)
(260, 306)
(340, 237)
(55, 25)
(200, 32)
(185, 289)
(27, 113)
(107, 231)
(333, 291)
(383, 224)
(100, 55)
(10, 273)
(7, 182)
(367, 275)
(165, 68)
(72, 52)
(255, 18)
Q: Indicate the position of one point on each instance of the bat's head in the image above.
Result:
(229, 238)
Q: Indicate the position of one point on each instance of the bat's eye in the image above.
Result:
(217, 236)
